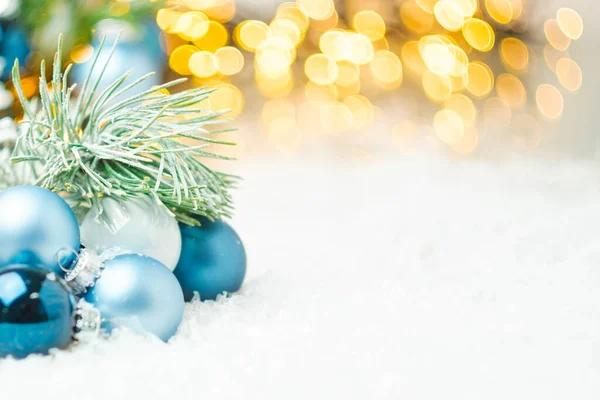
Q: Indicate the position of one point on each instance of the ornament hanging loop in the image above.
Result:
(59, 262)
(85, 272)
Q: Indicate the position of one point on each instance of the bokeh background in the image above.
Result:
(350, 79)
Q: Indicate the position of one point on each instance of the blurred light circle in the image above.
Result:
(479, 34)
(437, 87)
(361, 109)
(386, 67)
(321, 69)
(500, 10)
(291, 10)
(449, 14)
(275, 55)
(180, 58)
(227, 96)
(448, 126)
(322, 25)
(252, 33)
(569, 74)
(411, 57)
(167, 18)
(320, 93)
(514, 53)
(570, 23)
(370, 24)
(555, 35)
(317, 9)
(202, 64)
(229, 60)
(356, 48)
(329, 44)
(215, 37)
(481, 79)
(348, 73)
(416, 18)
(192, 25)
(462, 106)
(286, 28)
(549, 101)
(511, 90)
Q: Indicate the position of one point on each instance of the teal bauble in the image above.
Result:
(36, 312)
(138, 293)
(212, 261)
(38, 228)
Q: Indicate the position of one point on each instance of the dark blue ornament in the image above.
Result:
(14, 45)
(36, 312)
(139, 293)
(37, 227)
(213, 260)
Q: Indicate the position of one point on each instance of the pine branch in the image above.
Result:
(96, 146)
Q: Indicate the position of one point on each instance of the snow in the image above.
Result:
(414, 278)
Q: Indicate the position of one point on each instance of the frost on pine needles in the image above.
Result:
(98, 145)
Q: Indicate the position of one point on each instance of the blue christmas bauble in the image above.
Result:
(139, 293)
(14, 45)
(212, 261)
(36, 312)
(37, 227)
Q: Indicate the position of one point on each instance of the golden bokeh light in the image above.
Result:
(286, 28)
(275, 56)
(551, 56)
(203, 64)
(229, 60)
(192, 25)
(514, 54)
(348, 74)
(449, 14)
(511, 90)
(463, 107)
(317, 9)
(345, 91)
(356, 48)
(227, 97)
(329, 44)
(322, 25)
(481, 79)
(468, 142)
(180, 58)
(361, 109)
(167, 18)
(501, 11)
(320, 93)
(386, 69)
(321, 69)
(436, 54)
(479, 34)
(426, 5)
(569, 74)
(411, 58)
(496, 113)
(555, 35)
(448, 126)
(215, 37)
(275, 86)
(250, 34)
(370, 24)
(291, 10)
(82, 53)
(570, 23)
(549, 101)
(416, 18)
(437, 87)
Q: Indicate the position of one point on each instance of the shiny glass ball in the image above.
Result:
(37, 227)
(212, 261)
(137, 225)
(139, 293)
(36, 312)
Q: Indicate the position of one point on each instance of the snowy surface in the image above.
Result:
(413, 279)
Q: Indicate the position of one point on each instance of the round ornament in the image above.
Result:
(137, 226)
(212, 261)
(37, 227)
(138, 293)
(36, 312)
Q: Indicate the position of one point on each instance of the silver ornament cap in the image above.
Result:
(86, 271)
(87, 321)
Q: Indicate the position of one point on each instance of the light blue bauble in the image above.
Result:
(36, 312)
(37, 227)
(139, 293)
(212, 261)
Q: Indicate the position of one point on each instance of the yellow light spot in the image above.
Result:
(386, 68)
(449, 14)
(514, 53)
(511, 90)
(500, 10)
(460, 63)
(202, 64)
(526, 130)
(275, 55)
(119, 9)
(286, 28)
(496, 113)
(290, 10)
(215, 37)
(221, 11)
(411, 57)
(463, 106)
(229, 60)
(438, 88)
(252, 33)
(555, 35)
(228, 97)
(167, 18)
(459, 82)
(479, 34)
(192, 25)
(569, 74)
(348, 74)
(415, 18)
(81, 53)
(468, 142)
(356, 48)
(381, 44)
(370, 24)
(549, 101)
(361, 109)
(317, 9)
(321, 69)
(448, 126)
(276, 86)
(180, 58)
(481, 79)
(345, 91)
(551, 56)
(325, 24)
(426, 5)
(517, 9)
(329, 44)
(570, 23)
(320, 93)
(438, 57)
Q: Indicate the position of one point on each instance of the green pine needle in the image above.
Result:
(98, 146)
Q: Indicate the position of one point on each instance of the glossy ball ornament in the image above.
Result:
(137, 226)
(212, 261)
(36, 312)
(37, 227)
(138, 293)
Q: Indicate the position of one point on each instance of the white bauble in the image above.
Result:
(136, 226)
